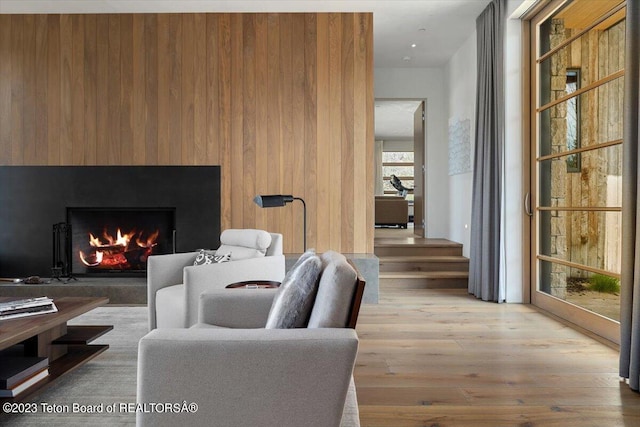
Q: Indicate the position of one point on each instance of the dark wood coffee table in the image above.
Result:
(48, 335)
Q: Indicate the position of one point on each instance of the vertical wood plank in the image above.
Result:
(360, 133)
(370, 188)
(249, 119)
(236, 171)
(102, 89)
(139, 76)
(213, 48)
(164, 73)
(347, 134)
(17, 89)
(41, 65)
(90, 89)
(335, 128)
(323, 183)
(200, 88)
(114, 102)
(53, 90)
(126, 89)
(188, 89)
(286, 125)
(66, 92)
(29, 77)
(224, 121)
(310, 123)
(262, 121)
(5, 90)
(274, 103)
(299, 126)
(175, 90)
(78, 143)
(151, 68)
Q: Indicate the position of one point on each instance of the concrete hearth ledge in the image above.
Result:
(133, 290)
(119, 290)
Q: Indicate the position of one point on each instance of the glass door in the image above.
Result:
(577, 81)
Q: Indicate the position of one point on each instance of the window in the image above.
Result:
(400, 164)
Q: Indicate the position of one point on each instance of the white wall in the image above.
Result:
(425, 83)
(460, 77)
(513, 213)
(397, 145)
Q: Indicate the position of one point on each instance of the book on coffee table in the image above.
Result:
(26, 307)
(22, 386)
(14, 369)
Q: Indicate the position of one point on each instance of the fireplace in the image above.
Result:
(118, 240)
(139, 200)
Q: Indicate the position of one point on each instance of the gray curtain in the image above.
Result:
(630, 274)
(484, 265)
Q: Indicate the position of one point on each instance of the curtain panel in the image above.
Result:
(630, 274)
(484, 263)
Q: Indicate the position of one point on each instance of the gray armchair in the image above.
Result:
(240, 373)
(244, 377)
(174, 284)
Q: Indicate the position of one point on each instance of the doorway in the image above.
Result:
(399, 159)
(577, 80)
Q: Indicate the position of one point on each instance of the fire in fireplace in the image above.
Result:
(125, 251)
(118, 240)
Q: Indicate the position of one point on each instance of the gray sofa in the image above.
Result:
(239, 373)
(391, 210)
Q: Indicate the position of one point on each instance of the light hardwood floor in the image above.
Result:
(440, 358)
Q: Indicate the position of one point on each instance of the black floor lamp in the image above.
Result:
(279, 200)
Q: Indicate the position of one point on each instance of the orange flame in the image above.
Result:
(151, 240)
(111, 251)
(94, 241)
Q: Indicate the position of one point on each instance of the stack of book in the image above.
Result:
(19, 373)
(26, 307)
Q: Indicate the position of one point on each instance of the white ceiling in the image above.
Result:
(437, 27)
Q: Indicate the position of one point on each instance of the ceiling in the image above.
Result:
(437, 28)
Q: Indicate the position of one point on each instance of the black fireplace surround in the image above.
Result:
(34, 198)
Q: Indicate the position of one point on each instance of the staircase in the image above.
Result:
(417, 263)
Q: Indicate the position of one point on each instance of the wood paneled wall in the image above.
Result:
(283, 102)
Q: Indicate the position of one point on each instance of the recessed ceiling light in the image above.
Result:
(413, 45)
(406, 58)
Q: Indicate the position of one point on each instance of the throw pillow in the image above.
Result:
(206, 256)
(309, 253)
(222, 258)
(335, 293)
(294, 299)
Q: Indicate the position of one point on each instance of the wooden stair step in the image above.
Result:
(424, 279)
(423, 263)
(388, 250)
(415, 242)
(425, 274)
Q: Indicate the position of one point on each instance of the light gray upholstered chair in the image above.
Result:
(242, 374)
(174, 284)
